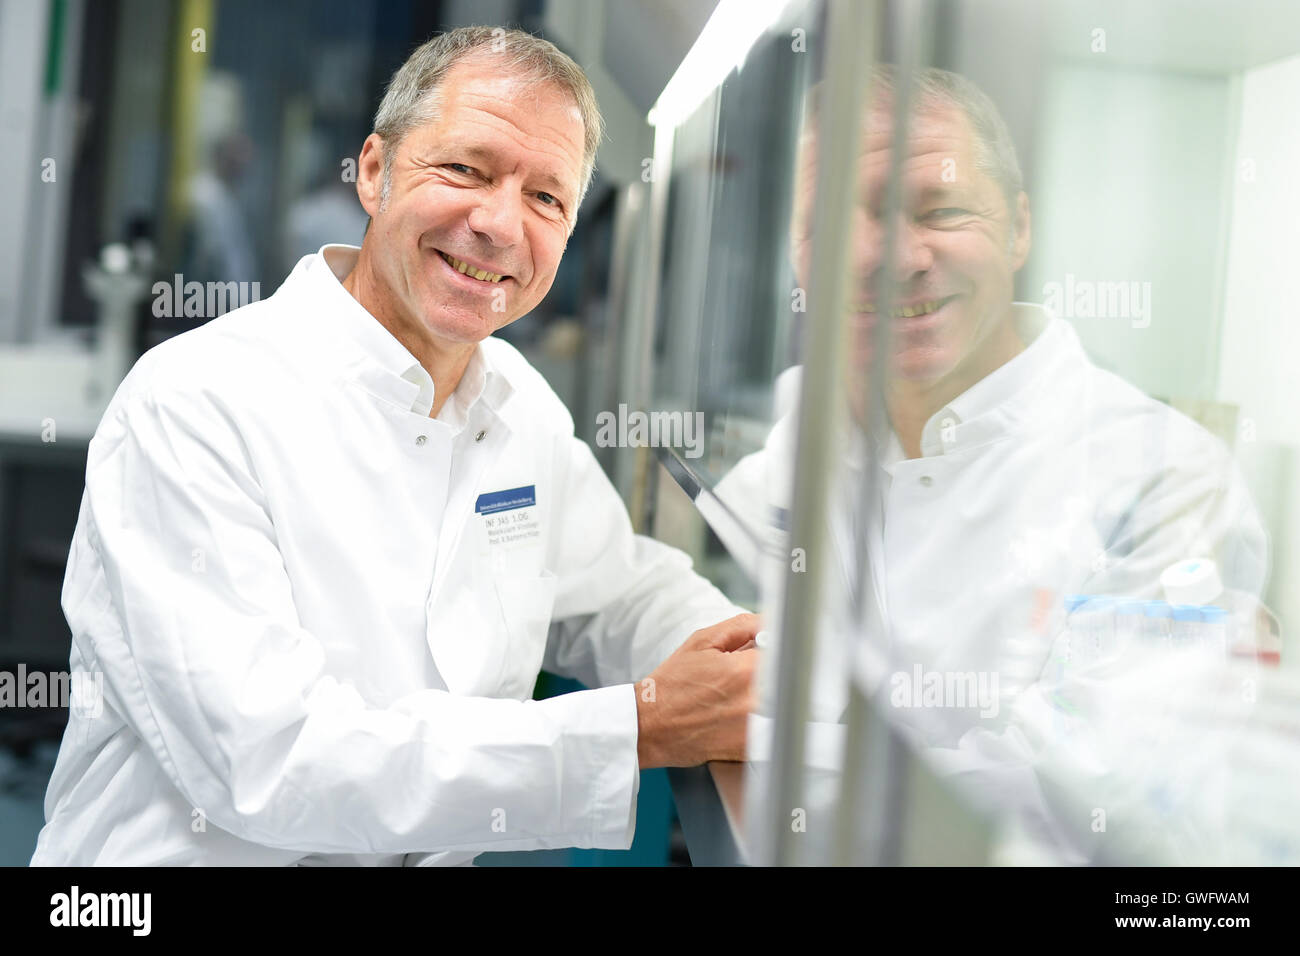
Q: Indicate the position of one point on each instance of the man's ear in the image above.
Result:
(1023, 234)
(370, 173)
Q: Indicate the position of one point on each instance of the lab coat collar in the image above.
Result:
(1003, 383)
(381, 364)
(994, 406)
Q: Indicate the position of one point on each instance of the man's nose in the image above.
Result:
(911, 253)
(499, 217)
(914, 254)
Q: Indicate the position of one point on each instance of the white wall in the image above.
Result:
(1260, 344)
(1131, 176)
(1261, 331)
(1144, 175)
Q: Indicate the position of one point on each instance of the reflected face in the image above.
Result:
(481, 204)
(955, 263)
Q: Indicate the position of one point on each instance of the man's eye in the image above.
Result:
(460, 168)
(548, 199)
(947, 212)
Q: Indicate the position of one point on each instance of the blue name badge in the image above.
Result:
(507, 500)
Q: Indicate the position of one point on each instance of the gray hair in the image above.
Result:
(412, 95)
(995, 151)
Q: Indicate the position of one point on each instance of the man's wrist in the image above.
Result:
(647, 729)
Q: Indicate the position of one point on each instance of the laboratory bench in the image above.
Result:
(710, 803)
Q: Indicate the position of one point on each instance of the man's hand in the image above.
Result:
(695, 706)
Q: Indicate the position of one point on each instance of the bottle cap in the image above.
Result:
(1192, 582)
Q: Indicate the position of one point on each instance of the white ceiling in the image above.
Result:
(1194, 36)
(646, 40)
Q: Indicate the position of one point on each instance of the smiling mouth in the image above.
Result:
(465, 268)
(913, 311)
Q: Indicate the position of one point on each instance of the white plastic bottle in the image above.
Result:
(1092, 631)
(1128, 622)
(1215, 629)
(1185, 626)
(1196, 582)
(1155, 624)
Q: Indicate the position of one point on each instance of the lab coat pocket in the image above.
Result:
(526, 605)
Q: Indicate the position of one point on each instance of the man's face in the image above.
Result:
(954, 263)
(491, 182)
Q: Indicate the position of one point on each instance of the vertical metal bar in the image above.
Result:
(23, 39)
(628, 231)
(871, 746)
(849, 40)
(636, 371)
(186, 88)
(56, 135)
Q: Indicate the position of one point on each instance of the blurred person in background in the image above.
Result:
(328, 212)
(219, 245)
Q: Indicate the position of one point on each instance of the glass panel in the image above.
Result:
(725, 326)
(1077, 494)
(725, 320)
(1061, 518)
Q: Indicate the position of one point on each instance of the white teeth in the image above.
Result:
(466, 269)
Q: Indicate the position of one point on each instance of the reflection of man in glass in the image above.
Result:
(1011, 473)
(964, 233)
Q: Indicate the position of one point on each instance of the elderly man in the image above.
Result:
(1009, 472)
(328, 540)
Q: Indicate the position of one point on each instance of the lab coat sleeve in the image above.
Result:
(183, 597)
(625, 602)
(1197, 505)
(1066, 748)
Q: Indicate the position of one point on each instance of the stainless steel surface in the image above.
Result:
(879, 812)
(850, 33)
(710, 807)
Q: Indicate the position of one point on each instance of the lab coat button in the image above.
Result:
(926, 481)
(421, 439)
(480, 436)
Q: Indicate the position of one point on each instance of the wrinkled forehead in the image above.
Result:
(931, 129)
(940, 146)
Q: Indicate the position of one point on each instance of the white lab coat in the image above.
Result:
(318, 639)
(1049, 477)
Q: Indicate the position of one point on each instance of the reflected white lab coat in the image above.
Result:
(1049, 477)
(319, 614)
